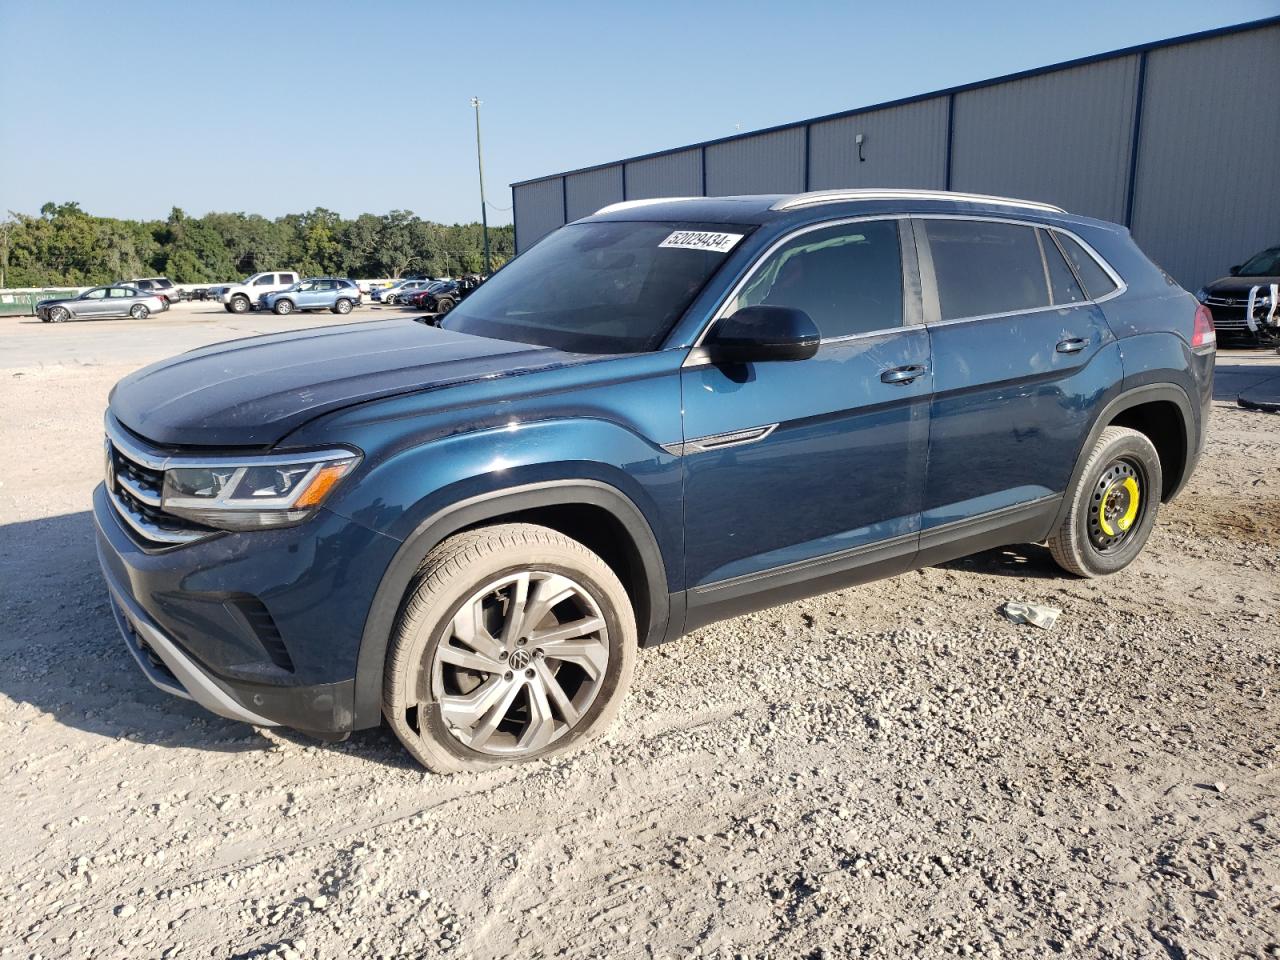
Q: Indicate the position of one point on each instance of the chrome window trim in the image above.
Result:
(697, 356)
(1118, 280)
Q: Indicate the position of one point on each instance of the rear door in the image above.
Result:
(119, 300)
(806, 474)
(1021, 359)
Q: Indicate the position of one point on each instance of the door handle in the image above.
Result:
(1072, 345)
(902, 375)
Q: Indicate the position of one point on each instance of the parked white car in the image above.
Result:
(242, 297)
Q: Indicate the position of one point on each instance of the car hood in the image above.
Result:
(256, 391)
(55, 301)
(1238, 286)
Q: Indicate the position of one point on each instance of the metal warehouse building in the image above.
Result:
(1179, 140)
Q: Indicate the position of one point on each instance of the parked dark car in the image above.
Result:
(100, 303)
(443, 300)
(1230, 298)
(160, 286)
(419, 299)
(658, 416)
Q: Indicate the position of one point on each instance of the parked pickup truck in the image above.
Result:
(241, 297)
(664, 414)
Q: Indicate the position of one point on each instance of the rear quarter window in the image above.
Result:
(1097, 282)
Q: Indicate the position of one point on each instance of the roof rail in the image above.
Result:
(838, 196)
(628, 204)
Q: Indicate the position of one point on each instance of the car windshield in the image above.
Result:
(1264, 264)
(605, 287)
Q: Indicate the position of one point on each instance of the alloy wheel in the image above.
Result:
(520, 664)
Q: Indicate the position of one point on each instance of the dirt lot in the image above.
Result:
(893, 770)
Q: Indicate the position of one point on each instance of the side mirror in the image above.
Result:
(760, 334)
(1235, 271)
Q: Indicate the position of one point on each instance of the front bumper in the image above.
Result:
(181, 612)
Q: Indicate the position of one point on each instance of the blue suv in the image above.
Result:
(315, 293)
(668, 413)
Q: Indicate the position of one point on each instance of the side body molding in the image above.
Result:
(475, 510)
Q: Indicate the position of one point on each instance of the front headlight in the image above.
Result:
(1202, 293)
(255, 493)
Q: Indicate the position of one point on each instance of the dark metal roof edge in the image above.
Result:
(920, 97)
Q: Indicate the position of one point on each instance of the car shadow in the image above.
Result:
(1028, 560)
(61, 653)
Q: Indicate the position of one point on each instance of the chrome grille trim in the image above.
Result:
(150, 531)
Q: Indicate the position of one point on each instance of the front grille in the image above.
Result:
(136, 490)
(1226, 318)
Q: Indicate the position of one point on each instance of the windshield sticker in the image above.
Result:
(702, 240)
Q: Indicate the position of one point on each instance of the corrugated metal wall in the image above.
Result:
(765, 163)
(1208, 186)
(902, 146)
(538, 209)
(677, 174)
(1205, 190)
(585, 193)
(1063, 137)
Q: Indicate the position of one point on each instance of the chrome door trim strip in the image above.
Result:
(720, 441)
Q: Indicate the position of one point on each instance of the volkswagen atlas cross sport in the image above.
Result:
(664, 414)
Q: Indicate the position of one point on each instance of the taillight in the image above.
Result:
(1203, 334)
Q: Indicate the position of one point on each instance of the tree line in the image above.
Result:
(66, 246)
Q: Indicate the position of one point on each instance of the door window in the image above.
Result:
(1063, 286)
(1097, 283)
(288, 278)
(984, 267)
(265, 280)
(117, 292)
(95, 294)
(847, 278)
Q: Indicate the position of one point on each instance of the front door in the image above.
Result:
(801, 476)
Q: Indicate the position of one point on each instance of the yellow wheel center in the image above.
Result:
(1125, 492)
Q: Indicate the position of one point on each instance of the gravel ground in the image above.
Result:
(893, 770)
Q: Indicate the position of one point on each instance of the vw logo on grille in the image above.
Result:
(520, 659)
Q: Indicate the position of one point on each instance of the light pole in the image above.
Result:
(484, 214)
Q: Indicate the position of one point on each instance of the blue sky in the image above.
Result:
(272, 107)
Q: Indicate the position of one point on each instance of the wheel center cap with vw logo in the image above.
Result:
(520, 659)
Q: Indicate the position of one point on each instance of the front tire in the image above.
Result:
(239, 304)
(443, 306)
(1113, 506)
(343, 306)
(283, 308)
(514, 643)
(58, 315)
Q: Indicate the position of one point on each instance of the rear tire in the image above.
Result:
(343, 306)
(139, 311)
(443, 306)
(1108, 523)
(283, 308)
(467, 698)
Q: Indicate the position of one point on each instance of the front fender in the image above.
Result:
(422, 495)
